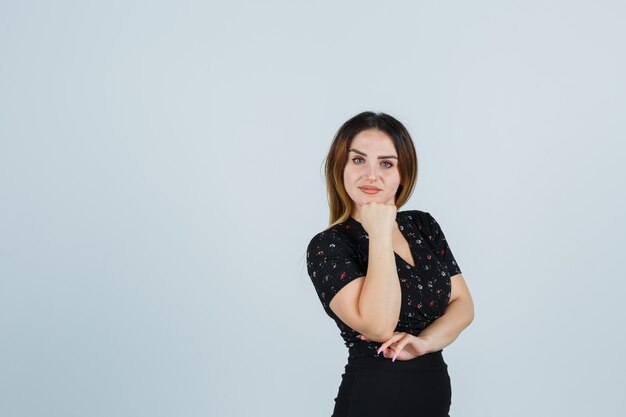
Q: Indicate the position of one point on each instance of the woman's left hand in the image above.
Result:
(402, 346)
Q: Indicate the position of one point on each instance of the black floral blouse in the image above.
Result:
(339, 255)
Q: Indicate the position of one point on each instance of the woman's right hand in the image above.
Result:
(379, 218)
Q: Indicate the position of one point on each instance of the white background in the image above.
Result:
(161, 176)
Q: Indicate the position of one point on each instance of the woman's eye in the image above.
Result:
(356, 159)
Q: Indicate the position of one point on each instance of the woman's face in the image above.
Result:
(372, 163)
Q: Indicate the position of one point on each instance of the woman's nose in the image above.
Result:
(372, 172)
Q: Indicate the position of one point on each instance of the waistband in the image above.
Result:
(380, 363)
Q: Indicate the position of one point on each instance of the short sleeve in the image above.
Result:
(332, 263)
(441, 246)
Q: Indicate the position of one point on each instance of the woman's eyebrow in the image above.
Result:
(380, 157)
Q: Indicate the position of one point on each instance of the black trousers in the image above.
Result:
(378, 387)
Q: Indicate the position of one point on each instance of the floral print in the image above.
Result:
(339, 255)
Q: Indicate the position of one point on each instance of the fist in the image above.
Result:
(379, 218)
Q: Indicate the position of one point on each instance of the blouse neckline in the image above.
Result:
(402, 227)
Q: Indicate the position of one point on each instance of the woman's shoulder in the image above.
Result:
(334, 237)
(420, 216)
(423, 220)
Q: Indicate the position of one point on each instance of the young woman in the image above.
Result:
(387, 277)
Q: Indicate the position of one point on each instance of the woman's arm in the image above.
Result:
(380, 299)
(458, 315)
(371, 304)
(440, 333)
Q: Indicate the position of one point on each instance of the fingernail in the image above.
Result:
(379, 349)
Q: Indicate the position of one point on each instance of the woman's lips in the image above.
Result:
(370, 191)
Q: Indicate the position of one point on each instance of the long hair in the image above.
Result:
(339, 202)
